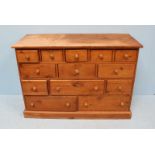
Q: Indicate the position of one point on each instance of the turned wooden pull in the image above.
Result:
(119, 88)
(76, 56)
(68, 104)
(116, 71)
(86, 104)
(32, 104)
(27, 57)
(58, 88)
(52, 56)
(126, 56)
(96, 88)
(77, 72)
(34, 88)
(122, 104)
(37, 71)
(100, 56)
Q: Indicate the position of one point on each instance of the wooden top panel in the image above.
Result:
(104, 41)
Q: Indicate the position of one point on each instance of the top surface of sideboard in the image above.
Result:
(93, 41)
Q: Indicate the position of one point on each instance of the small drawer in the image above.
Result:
(30, 56)
(104, 103)
(101, 56)
(116, 70)
(51, 103)
(37, 70)
(119, 86)
(76, 87)
(34, 87)
(76, 71)
(76, 55)
(126, 55)
(52, 56)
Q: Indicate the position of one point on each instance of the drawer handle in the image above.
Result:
(96, 88)
(27, 57)
(126, 56)
(58, 89)
(37, 71)
(119, 88)
(68, 104)
(116, 71)
(76, 56)
(101, 56)
(122, 104)
(86, 104)
(77, 72)
(52, 56)
(32, 104)
(34, 88)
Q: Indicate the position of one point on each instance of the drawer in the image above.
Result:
(119, 86)
(126, 55)
(116, 70)
(24, 56)
(76, 55)
(76, 87)
(34, 87)
(51, 103)
(37, 70)
(101, 55)
(104, 103)
(52, 55)
(76, 71)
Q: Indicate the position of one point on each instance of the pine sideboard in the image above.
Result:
(77, 75)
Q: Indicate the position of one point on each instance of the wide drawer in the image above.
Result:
(76, 87)
(37, 70)
(126, 55)
(104, 103)
(101, 55)
(76, 55)
(52, 56)
(24, 56)
(77, 71)
(34, 87)
(119, 86)
(51, 103)
(116, 70)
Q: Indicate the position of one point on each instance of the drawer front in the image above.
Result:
(51, 103)
(24, 56)
(101, 55)
(76, 87)
(104, 103)
(116, 70)
(119, 86)
(76, 55)
(52, 56)
(37, 70)
(34, 87)
(76, 71)
(126, 55)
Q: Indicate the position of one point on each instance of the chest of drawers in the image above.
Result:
(77, 75)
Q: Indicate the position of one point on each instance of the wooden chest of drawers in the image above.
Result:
(77, 75)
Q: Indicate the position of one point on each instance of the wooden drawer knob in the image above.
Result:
(96, 88)
(68, 104)
(58, 89)
(100, 56)
(34, 88)
(86, 104)
(116, 71)
(27, 57)
(122, 104)
(52, 56)
(76, 56)
(126, 56)
(32, 104)
(77, 72)
(37, 71)
(119, 88)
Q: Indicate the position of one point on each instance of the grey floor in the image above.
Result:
(11, 116)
